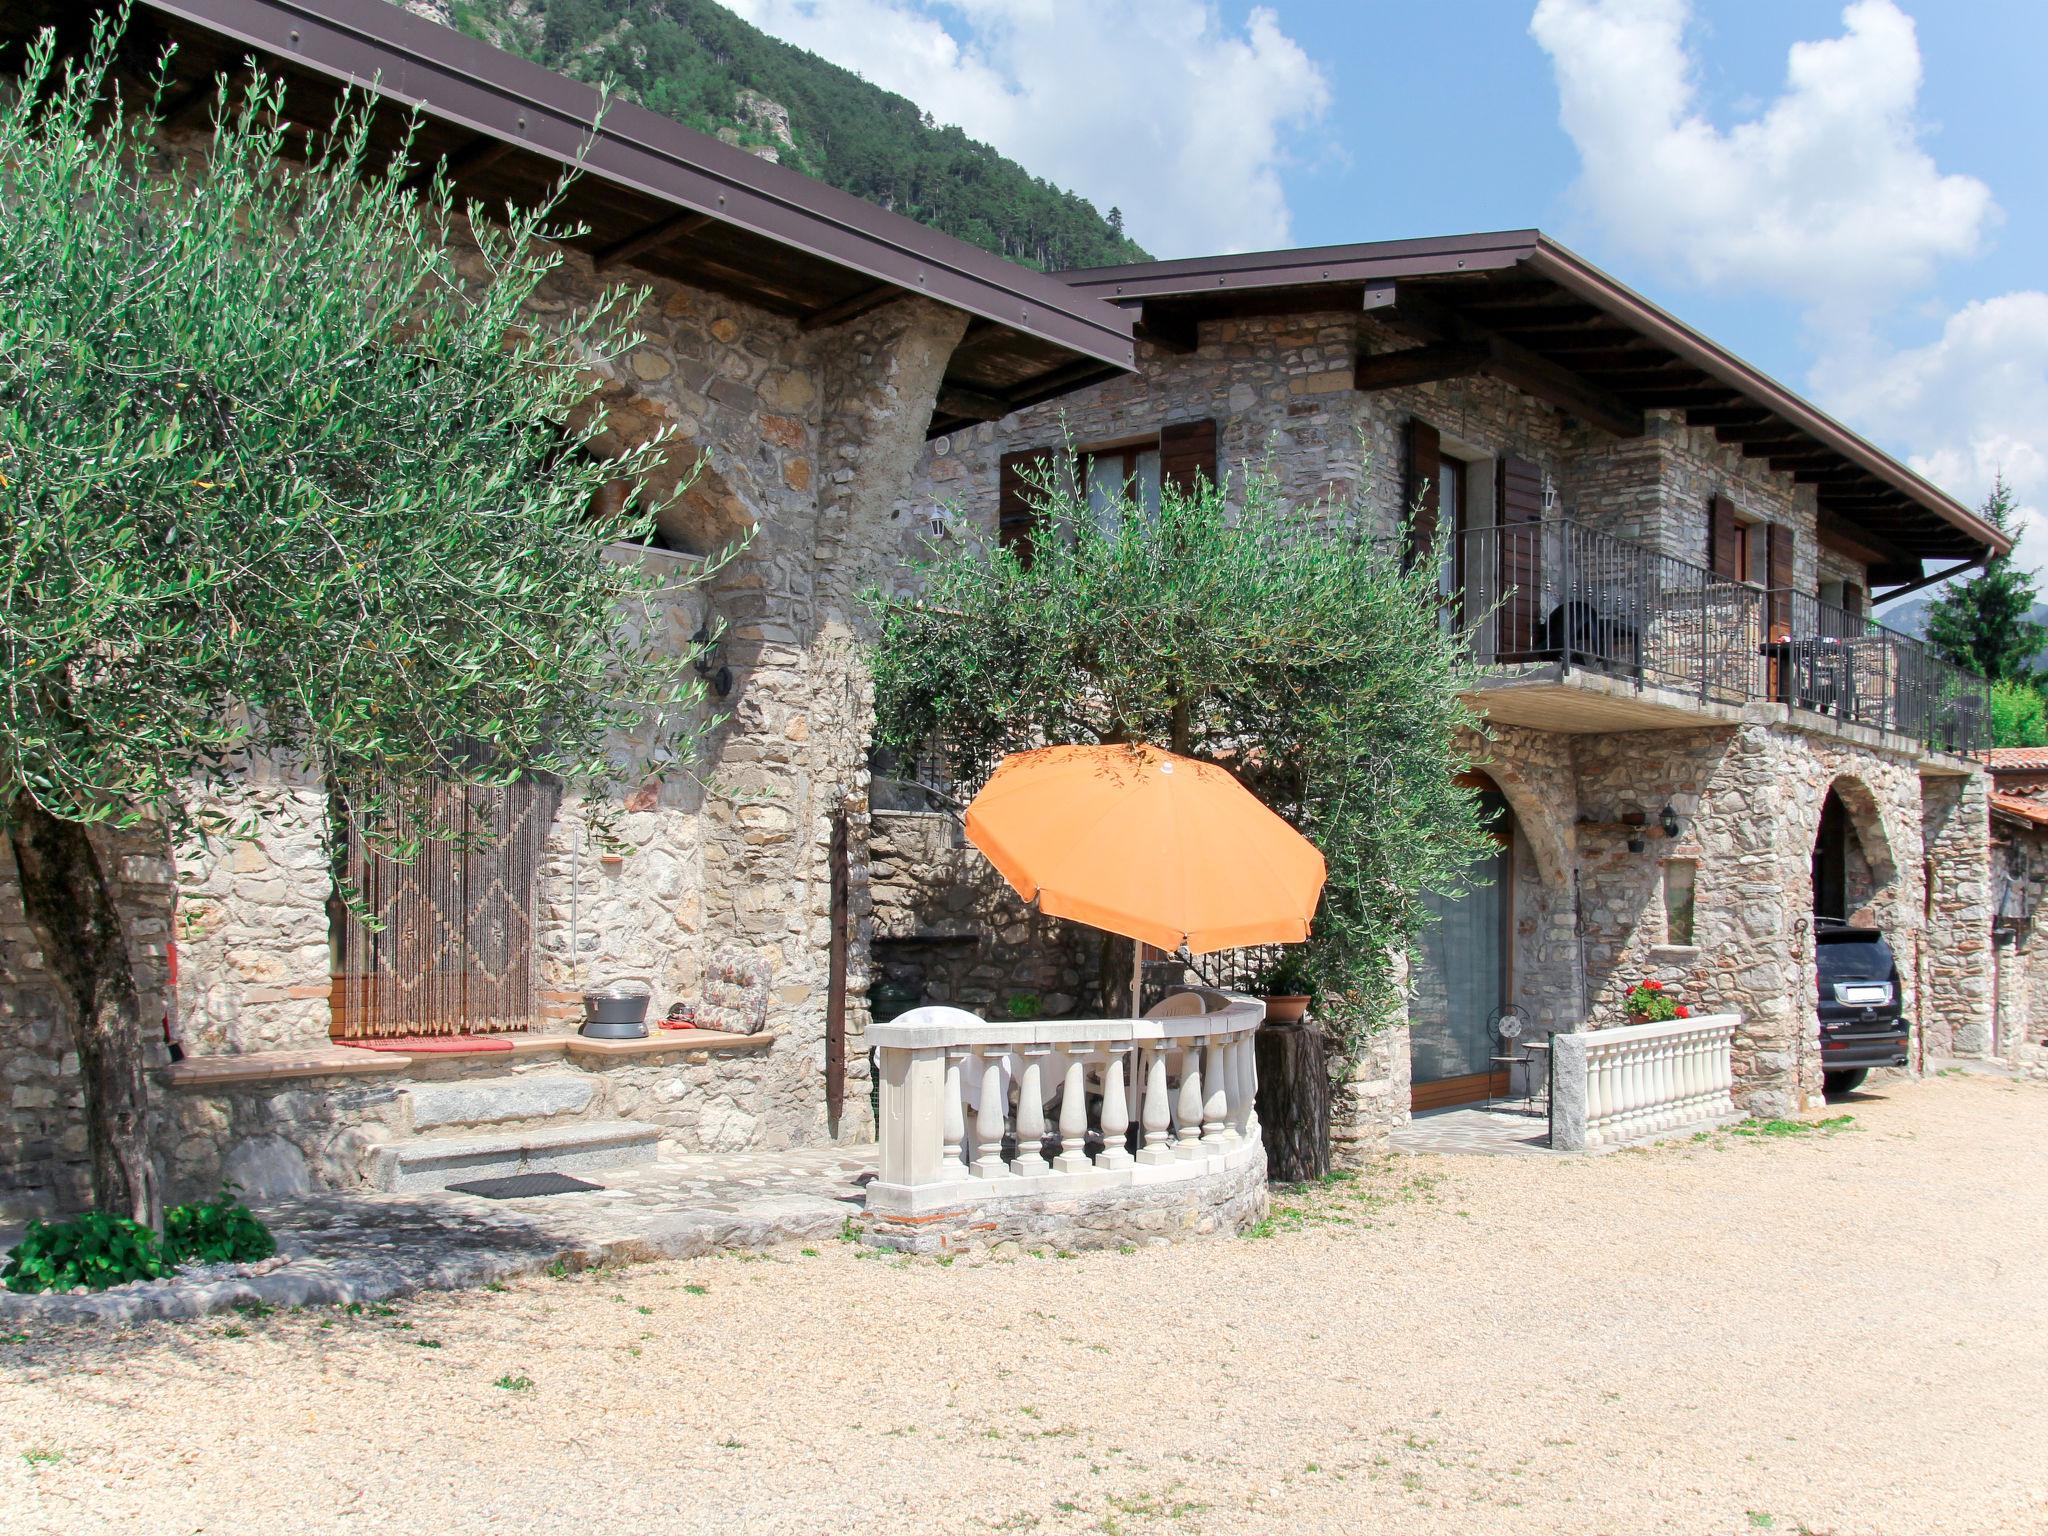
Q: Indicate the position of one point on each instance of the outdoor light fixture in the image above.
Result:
(708, 663)
(1668, 821)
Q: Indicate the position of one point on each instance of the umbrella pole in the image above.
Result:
(1137, 978)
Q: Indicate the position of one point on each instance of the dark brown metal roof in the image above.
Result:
(653, 194)
(1518, 303)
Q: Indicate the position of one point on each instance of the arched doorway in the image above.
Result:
(1460, 971)
(1851, 862)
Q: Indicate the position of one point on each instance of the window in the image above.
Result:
(1679, 875)
(1452, 514)
(1749, 551)
(1117, 474)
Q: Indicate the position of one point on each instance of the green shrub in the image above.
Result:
(97, 1250)
(94, 1250)
(222, 1231)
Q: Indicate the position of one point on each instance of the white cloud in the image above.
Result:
(1824, 195)
(1968, 406)
(1154, 106)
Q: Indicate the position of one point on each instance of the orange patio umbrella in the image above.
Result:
(1147, 844)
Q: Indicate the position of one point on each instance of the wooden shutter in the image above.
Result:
(1187, 450)
(1518, 509)
(1419, 500)
(1778, 577)
(1721, 539)
(1016, 517)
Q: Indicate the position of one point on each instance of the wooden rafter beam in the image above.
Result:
(1727, 416)
(654, 236)
(971, 404)
(1441, 327)
(853, 307)
(1418, 365)
(477, 155)
(1171, 330)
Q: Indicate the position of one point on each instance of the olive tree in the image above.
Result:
(1285, 642)
(281, 481)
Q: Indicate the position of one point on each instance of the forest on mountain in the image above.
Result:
(698, 63)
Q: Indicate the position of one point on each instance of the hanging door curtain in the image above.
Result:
(450, 947)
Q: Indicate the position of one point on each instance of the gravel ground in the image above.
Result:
(1838, 1332)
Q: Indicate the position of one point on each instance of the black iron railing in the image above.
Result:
(1559, 592)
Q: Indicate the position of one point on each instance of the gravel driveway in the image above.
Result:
(1838, 1332)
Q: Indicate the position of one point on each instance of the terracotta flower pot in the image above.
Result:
(1288, 1008)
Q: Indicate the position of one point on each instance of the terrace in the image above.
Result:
(1580, 630)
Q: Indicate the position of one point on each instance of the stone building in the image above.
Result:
(801, 341)
(2018, 884)
(1698, 739)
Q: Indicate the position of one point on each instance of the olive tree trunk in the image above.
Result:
(70, 909)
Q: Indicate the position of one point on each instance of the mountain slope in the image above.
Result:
(696, 62)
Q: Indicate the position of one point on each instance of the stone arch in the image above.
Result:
(710, 513)
(1871, 867)
(1543, 826)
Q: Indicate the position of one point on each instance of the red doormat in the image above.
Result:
(424, 1045)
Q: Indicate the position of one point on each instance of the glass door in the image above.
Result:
(1458, 976)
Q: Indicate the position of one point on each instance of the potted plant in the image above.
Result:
(1648, 1003)
(1287, 987)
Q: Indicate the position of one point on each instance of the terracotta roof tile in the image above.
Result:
(2017, 759)
(2033, 811)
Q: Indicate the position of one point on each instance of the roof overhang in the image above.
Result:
(653, 195)
(1517, 304)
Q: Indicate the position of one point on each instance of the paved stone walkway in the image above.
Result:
(1474, 1131)
(368, 1247)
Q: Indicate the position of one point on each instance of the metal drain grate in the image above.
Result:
(519, 1186)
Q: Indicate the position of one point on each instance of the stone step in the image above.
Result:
(435, 1162)
(497, 1100)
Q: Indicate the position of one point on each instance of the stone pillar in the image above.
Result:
(1568, 1091)
(1955, 1002)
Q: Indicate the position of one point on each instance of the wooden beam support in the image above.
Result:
(477, 155)
(1169, 329)
(1418, 365)
(1727, 416)
(853, 307)
(971, 404)
(667, 232)
(1512, 363)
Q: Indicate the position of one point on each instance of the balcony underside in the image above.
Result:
(1551, 697)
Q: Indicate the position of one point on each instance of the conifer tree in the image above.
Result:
(1986, 623)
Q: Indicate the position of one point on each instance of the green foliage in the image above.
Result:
(1986, 623)
(694, 60)
(1276, 640)
(222, 1231)
(285, 469)
(95, 1250)
(1289, 976)
(1649, 1003)
(2019, 715)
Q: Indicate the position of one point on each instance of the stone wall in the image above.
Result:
(946, 922)
(803, 443)
(2018, 887)
(1955, 958)
(43, 1161)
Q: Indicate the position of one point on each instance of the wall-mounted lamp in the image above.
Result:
(1668, 820)
(709, 663)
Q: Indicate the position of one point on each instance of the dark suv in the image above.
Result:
(1862, 1013)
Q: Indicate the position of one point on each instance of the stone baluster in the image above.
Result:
(953, 1119)
(1031, 1111)
(1248, 1084)
(1073, 1156)
(989, 1118)
(1190, 1103)
(1217, 1131)
(1116, 1111)
(1155, 1111)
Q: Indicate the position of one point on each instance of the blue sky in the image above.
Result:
(1846, 192)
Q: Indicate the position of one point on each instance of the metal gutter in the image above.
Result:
(1380, 260)
(458, 80)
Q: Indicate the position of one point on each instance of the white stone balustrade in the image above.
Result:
(1617, 1085)
(965, 1102)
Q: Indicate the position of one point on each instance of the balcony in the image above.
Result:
(1579, 630)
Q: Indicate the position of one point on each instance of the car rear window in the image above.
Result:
(1855, 960)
